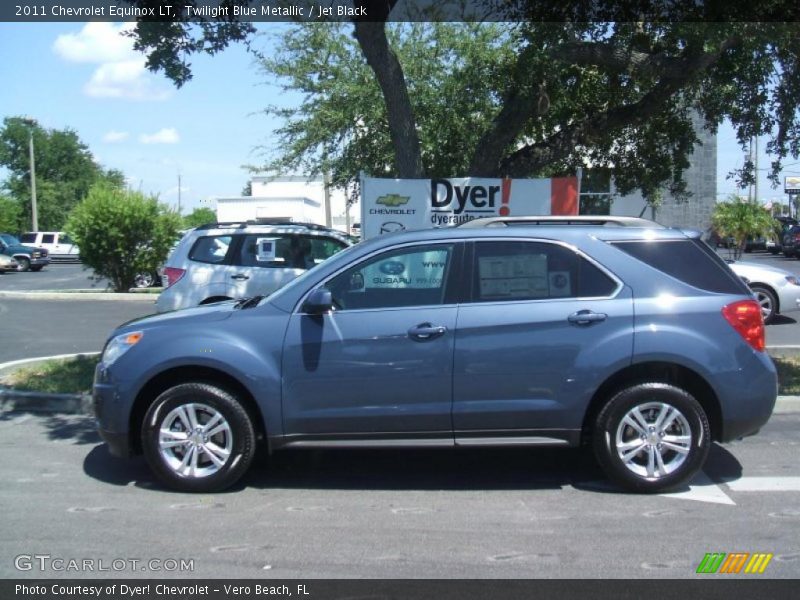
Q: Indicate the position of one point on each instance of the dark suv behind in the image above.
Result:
(791, 242)
(27, 257)
(638, 342)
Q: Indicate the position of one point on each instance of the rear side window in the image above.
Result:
(690, 261)
(286, 251)
(48, 238)
(211, 249)
(28, 238)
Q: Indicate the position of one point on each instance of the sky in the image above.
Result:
(87, 77)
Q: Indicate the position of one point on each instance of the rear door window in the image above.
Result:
(535, 271)
(285, 251)
(28, 238)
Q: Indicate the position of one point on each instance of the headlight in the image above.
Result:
(119, 345)
(792, 279)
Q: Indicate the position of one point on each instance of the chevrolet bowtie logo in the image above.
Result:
(393, 200)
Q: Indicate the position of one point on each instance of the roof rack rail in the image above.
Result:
(264, 221)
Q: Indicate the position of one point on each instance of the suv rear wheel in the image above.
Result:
(652, 437)
(197, 437)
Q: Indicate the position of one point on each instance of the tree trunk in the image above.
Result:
(383, 61)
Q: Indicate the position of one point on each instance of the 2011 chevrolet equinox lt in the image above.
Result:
(639, 342)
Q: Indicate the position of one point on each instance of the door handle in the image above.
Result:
(586, 317)
(425, 331)
(240, 277)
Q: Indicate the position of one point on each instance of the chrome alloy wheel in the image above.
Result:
(653, 440)
(195, 440)
(765, 301)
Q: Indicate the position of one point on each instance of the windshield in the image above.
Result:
(9, 239)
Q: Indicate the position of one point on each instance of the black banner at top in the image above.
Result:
(401, 10)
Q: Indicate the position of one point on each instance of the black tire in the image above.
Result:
(632, 474)
(769, 303)
(239, 438)
(23, 264)
(37, 269)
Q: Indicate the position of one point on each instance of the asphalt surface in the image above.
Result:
(57, 276)
(420, 514)
(32, 328)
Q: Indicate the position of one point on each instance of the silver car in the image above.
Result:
(776, 290)
(8, 263)
(225, 261)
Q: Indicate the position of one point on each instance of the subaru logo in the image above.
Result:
(392, 267)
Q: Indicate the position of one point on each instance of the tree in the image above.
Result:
(10, 215)
(65, 170)
(199, 216)
(122, 233)
(740, 219)
(608, 87)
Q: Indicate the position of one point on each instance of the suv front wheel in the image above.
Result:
(652, 437)
(197, 437)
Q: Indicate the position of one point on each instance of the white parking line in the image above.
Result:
(765, 484)
(702, 489)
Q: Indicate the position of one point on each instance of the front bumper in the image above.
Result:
(118, 443)
(40, 262)
(111, 422)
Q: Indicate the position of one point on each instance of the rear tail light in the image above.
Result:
(171, 276)
(745, 317)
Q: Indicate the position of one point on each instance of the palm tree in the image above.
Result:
(740, 219)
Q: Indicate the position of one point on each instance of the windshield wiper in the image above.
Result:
(248, 302)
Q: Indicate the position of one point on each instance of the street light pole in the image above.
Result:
(31, 123)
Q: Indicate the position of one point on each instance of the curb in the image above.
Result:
(37, 402)
(134, 297)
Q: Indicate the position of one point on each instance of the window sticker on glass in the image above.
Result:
(560, 284)
(418, 270)
(513, 276)
(265, 249)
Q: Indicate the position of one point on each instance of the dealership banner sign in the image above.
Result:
(389, 205)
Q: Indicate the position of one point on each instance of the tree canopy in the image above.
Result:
(65, 170)
(525, 97)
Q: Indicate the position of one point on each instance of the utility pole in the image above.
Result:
(756, 170)
(326, 183)
(31, 123)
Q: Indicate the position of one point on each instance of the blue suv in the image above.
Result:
(638, 342)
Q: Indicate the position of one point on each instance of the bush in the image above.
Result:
(121, 233)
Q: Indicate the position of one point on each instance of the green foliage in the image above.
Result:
(121, 233)
(452, 70)
(65, 170)
(199, 216)
(10, 216)
(739, 219)
(539, 92)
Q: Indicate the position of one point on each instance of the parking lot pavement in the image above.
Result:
(419, 514)
(30, 328)
(55, 276)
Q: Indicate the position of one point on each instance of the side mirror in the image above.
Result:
(318, 302)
